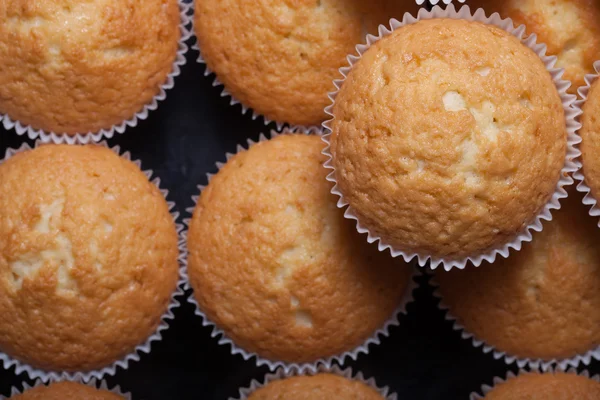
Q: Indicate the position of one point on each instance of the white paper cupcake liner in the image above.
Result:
(435, 2)
(46, 375)
(572, 126)
(346, 373)
(245, 109)
(582, 187)
(90, 137)
(97, 384)
(522, 362)
(217, 332)
(485, 389)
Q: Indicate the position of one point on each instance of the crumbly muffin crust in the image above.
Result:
(321, 386)
(88, 257)
(569, 28)
(590, 135)
(448, 139)
(555, 386)
(542, 302)
(71, 66)
(280, 57)
(274, 264)
(66, 391)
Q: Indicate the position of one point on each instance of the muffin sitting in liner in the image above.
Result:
(321, 386)
(542, 303)
(274, 264)
(448, 139)
(570, 29)
(590, 135)
(546, 386)
(88, 257)
(66, 391)
(81, 66)
(280, 57)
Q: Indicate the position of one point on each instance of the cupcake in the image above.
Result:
(276, 267)
(545, 386)
(279, 57)
(84, 67)
(570, 29)
(540, 304)
(590, 135)
(448, 139)
(88, 258)
(66, 391)
(320, 386)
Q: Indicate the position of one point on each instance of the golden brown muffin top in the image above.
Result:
(66, 391)
(321, 386)
(590, 135)
(274, 263)
(542, 302)
(280, 57)
(570, 29)
(448, 138)
(555, 386)
(88, 257)
(75, 66)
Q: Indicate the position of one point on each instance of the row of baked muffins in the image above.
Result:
(342, 385)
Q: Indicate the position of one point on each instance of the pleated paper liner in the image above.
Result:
(46, 375)
(572, 126)
(222, 338)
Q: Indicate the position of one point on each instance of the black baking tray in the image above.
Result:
(422, 359)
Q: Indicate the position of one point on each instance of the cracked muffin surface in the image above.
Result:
(555, 386)
(66, 391)
(320, 386)
(280, 57)
(79, 66)
(449, 146)
(88, 257)
(569, 28)
(276, 266)
(542, 302)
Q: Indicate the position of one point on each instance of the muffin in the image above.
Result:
(570, 29)
(88, 257)
(274, 264)
(321, 386)
(279, 57)
(76, 67)
(540, 303)
(66, 391)
(555, 386)
(448, 139)
(590, 135)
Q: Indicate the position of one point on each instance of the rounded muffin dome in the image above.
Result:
(590, 136)
(320, 386)
(540, 303)
(66, 391)
(280, 57)
(274, 264)
(448, 139)
(81, 66)
(88, 257)
(555, 386)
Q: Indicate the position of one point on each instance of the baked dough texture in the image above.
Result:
(569, 28)
(88, 257)
(276, 266)
(448, 139)
(321, 386)
(66, 391)
(555, 386)
(542, 302)
(280, 57)
(590, 136)
(78, 66)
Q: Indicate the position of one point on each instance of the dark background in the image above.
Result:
(192, 129)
